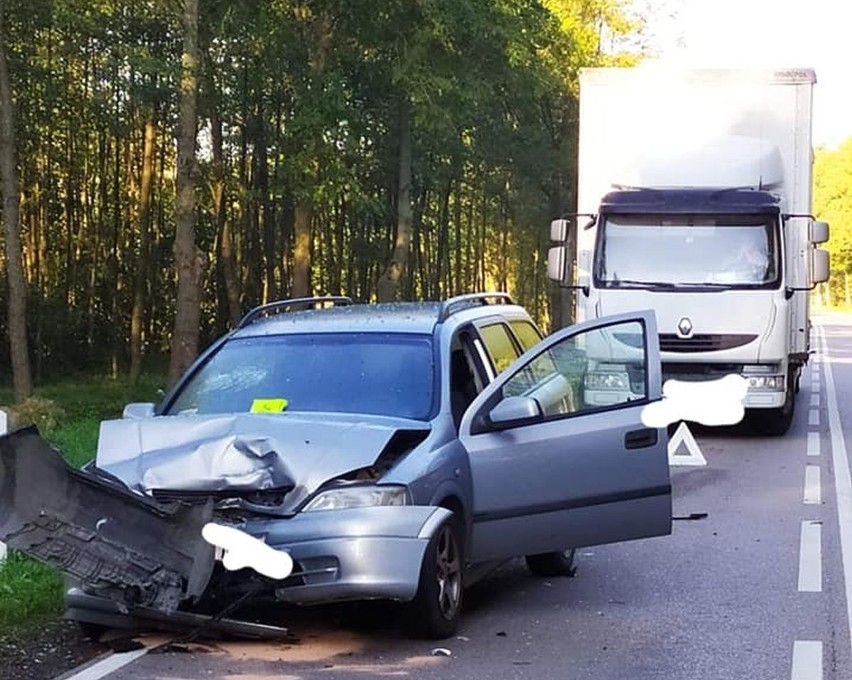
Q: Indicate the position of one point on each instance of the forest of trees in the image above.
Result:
(833, 203)
(168, 164)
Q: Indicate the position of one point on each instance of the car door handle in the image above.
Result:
(640, 439)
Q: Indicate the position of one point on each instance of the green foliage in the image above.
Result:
(833, 203)
(29, 592)
(44, 413)
(306, 94)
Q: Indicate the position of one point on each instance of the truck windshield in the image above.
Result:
(740, 251)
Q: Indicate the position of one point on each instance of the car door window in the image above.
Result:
(500, 346)
(526, 333)
(599, 368)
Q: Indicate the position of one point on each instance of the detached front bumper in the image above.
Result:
(120, 545)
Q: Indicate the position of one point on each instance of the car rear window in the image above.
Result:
(372, 373)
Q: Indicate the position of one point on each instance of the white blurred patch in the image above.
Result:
(240, 550)
(712, 402)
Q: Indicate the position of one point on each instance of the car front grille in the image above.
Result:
(265, 497)
(669, 342)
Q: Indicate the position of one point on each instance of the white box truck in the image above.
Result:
(694, 199)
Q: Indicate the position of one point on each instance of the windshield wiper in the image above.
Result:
(643, 285)
(668, 285)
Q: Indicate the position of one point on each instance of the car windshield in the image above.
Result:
(372, 373)
(655, 250)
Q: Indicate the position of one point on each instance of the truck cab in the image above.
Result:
(694, 186)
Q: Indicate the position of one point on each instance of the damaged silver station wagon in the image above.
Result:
(327, 451)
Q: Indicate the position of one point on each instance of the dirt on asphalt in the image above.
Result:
(46, 652)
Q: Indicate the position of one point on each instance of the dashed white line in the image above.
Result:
(813, 417)
(813, 490)
(842, 479)
(113, 662)
(815, 399)
(813, 444)
(810, 557)
(807, 660)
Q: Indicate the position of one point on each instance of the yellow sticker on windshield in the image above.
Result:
(268, 405)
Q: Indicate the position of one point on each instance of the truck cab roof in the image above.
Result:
(689, 201)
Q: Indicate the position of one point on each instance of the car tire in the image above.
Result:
(434, 612)
(559, 563)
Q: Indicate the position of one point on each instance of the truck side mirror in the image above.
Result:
(818, 232)
(559, 230)
(556, 262)
(820, 265)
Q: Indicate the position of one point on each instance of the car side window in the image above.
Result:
(526, 333)
(500, 346)
(598, 368)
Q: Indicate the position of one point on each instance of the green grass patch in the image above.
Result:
(31, 592)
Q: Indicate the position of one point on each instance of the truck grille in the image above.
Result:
(669, 342)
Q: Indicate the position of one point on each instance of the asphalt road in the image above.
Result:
(755, 589)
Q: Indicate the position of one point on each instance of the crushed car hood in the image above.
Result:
(242, 452)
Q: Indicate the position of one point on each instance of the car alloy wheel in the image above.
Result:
(434, 612)
(448, 572)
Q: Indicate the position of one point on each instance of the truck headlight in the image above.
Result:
(358, 497)
(607, 380)
(774, 383)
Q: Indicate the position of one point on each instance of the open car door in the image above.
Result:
(558, 452)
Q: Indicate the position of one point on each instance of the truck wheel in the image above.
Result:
(774, 422)
(552, 564)
(434, 612)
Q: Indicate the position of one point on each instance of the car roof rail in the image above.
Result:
(460, 302)
(294, 304)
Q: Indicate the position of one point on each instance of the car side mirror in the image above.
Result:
(137, 410)
(514, 411)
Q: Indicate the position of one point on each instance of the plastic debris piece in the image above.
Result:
(441, 651)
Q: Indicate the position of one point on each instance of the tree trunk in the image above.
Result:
(140, 279)
(302, 249)
(227, 261)
(189, 260)
(404, 222)
(17, 304)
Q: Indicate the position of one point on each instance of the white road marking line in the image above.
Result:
(807, 660)
(810, 557)
(842, 479)
(813, 443)
(815, 381)
(815, 399)
(813, 490)
(813, 417)
(108, 665)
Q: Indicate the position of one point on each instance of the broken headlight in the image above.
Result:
(358, 496)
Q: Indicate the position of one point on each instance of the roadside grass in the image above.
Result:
(31, 592)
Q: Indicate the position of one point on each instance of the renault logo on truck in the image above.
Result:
(684, 327)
